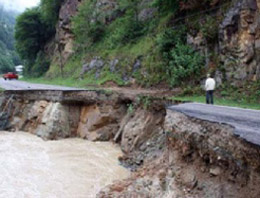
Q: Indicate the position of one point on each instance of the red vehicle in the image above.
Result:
(10, 76)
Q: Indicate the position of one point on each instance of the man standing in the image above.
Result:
(210, 87)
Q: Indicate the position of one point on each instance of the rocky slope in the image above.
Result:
(231, 51)
(64, 36)
(239, 41)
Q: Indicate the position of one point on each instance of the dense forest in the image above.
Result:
(8, 56)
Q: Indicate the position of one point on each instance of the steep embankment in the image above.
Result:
(149, 42)
(170, 154)
(198, 159)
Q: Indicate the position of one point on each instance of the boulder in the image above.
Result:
(139, 129)
(54, 122)
(146, 11)
(187, 178)
(100, 122)
(113, 64)
(96, 63)
(215, 171)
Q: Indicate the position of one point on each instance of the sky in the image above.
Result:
(19, 5)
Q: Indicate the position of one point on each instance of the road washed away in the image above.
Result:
(33, 168)
(245, 121)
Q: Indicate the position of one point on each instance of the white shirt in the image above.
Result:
(210, 84)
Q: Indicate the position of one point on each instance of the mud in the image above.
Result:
(66, 168)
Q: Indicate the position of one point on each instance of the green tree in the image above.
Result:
(180, 60)
(6, 64)
(184, 63)
(31, 34)
(40, 66)
(50, 11)
(8, 57)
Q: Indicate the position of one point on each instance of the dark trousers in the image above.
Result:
(209, 97)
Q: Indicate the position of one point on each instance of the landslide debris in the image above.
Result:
(196, 159)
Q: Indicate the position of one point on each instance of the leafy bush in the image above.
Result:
(89, 28)
(169, 38)
(165, 6)
(124, 30)
(184, 63)
(209, 28)
(86, 25)
(180, 60)
(50, 11)
(41, 65)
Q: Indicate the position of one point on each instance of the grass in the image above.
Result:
(220, 101)
(70, 82)
(88, 81)
(105, 76)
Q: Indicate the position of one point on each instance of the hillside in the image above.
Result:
(152, 42)
(8, 56)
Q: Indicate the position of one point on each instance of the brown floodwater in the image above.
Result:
(70, 168)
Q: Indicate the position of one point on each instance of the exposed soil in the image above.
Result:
(198, 159)
(170, 154)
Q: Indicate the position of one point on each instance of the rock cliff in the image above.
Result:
(239, 41)
(64, 36)
(236, 45)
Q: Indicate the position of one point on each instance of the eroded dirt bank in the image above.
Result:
(170, 154)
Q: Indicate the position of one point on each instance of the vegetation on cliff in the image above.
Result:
(34, 28)
(147, 39)
(118, 32)
(144, 42)
(161, 49)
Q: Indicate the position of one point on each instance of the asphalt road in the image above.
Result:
(21, 85)
(246, 122)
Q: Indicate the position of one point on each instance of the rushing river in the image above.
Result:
(71, 168)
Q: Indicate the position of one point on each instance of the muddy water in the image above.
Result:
(71, 168)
